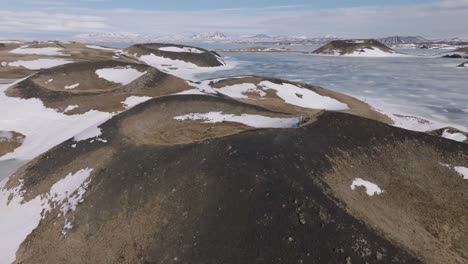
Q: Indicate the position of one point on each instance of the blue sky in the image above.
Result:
(344, 18)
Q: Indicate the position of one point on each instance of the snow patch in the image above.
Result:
(454, 136)
(371, 188)
(373, 52)
(39, 63)
(91, 132)
(70, 108)
(123, 75)
(50, 51)
(191, 91)
(257, 121)
(42, 127)
(180, 68)
(73, 86)
(463, 171)
(302, 97)
(101, 48)
(19, 218)
(239, 90)
(183, 49)
(135, 100)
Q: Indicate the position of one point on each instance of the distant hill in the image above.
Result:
(353, 47)
(403, 40)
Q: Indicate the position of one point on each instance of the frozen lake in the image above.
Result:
(427, 86)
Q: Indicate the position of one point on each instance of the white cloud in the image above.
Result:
(445, 18)
(39, 21)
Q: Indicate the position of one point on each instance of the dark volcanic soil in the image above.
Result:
(260, 196)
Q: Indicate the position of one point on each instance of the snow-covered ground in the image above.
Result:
(240, 90)
(303, 97)
(180, 68)
(19, 218)
(463, 171)
(132, 101)
(72, 86)
(43, 127)
(257, 121)
(39, 63)
(454, 136)
(373, 52)
(101, 48)
(122, 75)
(50, 51)
(183, 49)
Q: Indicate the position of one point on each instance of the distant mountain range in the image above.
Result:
(403, 40)
(220, 37)
(207, 37)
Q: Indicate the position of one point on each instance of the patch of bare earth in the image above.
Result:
(424, 204)
(9, 141)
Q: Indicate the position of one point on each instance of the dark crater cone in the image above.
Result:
(93, 92)
(204, 59)
(349, 46)
(257, 196)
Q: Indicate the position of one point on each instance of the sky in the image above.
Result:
(42, 19)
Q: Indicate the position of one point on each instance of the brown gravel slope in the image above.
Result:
(259, 196)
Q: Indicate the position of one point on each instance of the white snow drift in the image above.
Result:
(39, 63)
(246, 119)
(180, 68)
(43, 127)
(463, 171)
(73, 86)
(373, 52)
(239, 90)
(19, 218)
(183, 49)
(50, 51)
(303, 97)
(132, 101)
(100, 48)
(371, 188)
(123, 75)
(454, 136)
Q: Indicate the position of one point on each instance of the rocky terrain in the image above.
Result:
(360, 48)
(134, 160)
